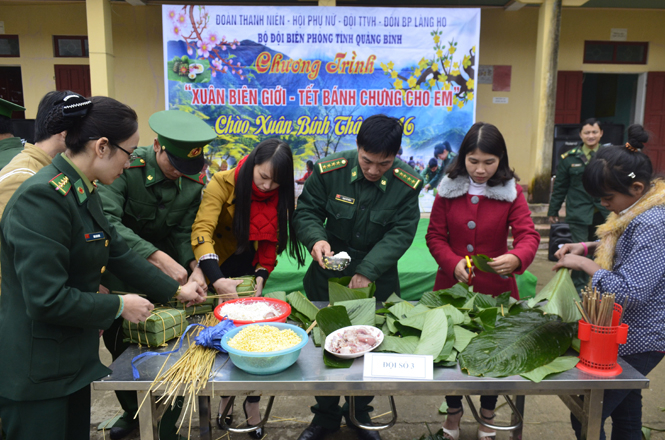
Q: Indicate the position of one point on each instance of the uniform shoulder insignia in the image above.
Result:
(407, 178)
(198, 178)
(137, 163)
(332, 165)
(61, 184)
(565, 155)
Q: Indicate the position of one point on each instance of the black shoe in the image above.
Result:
(363, 434)
(121, 432)
(228, 420)
(315, 432)
(260, 432)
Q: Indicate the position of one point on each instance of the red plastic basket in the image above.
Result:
(280, 305)
(599, 346)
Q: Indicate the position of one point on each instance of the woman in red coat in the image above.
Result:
(477, 203)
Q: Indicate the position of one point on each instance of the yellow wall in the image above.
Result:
(506, 38)
(35, 27)
(509, 38)
(139, 61)
(578, 25)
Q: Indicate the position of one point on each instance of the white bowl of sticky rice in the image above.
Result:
(264, 348)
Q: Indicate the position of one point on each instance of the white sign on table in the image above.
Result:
(381, 366)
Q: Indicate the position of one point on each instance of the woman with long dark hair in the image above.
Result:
(243, 223)
(478, 203)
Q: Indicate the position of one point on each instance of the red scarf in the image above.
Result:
(263, 223)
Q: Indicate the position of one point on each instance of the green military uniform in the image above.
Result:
(583, 212)
(374, 222)
(56, 244)
(429, 175)
(151, 213)
(9, 148)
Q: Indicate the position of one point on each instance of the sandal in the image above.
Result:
(453, 434)
(482, 434)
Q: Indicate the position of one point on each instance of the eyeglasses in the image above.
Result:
(132, 156)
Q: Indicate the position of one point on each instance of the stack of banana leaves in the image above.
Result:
(488, 336)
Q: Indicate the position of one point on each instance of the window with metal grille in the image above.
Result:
(70, 46)
(615, 52)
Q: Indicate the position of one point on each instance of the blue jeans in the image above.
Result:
(625, 406)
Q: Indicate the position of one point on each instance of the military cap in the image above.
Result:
(6, 108)
(183, 136)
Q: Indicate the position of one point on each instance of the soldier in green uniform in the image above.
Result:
(363, 202)
(152, 206)
(10, 145)
(56, 245)
(444, 156)
(583, 212)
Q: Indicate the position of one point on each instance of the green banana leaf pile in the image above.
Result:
(488, 336)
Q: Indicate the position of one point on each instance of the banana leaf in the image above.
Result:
(390, 322)
(558, 365)
(480, 262)
(338, 290)
(405, 330)
(379, 320)
(416, 310)
(518, 344)
(392, 299)
(318, 337)
(394, 344)
(276, 295)
(447, 349)
(301, 304)
(487, 318)
(302, 319)
(431, 299)
(454, 314)
(414, 321)
(360, 311)
(401, 309)
(462, 338)
(331, 319)
(561, 295)
(432, 338)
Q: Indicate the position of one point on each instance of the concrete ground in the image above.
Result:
(546, 417)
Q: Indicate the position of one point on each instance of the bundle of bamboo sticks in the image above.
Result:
(598, 309)
(191, 373)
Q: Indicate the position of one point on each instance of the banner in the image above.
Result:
(311, 75)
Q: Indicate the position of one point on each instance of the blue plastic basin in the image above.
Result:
(263, 363)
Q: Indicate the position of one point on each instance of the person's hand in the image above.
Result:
(359, 282)
(136, 309)
(198, 277)
(191, 294)
(571, 261)
(103, 289)
(169, 266)
(505, 264)
(461, 274)
(259, 286)
(553, 219)
(569, 248)
(319, 250)
(427, 187)
(226, 287)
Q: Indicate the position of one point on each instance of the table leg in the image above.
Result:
(205, 429)
(148, 423)
(593, 408)
(516, 434)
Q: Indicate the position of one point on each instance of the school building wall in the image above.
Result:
(506, 38)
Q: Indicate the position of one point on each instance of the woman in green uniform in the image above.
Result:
(55, 245)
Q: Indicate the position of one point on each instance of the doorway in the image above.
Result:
(11, 88)
(612, 99)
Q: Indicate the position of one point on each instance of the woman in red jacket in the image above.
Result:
(478, 202)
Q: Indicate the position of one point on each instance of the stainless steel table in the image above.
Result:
(309, 377)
